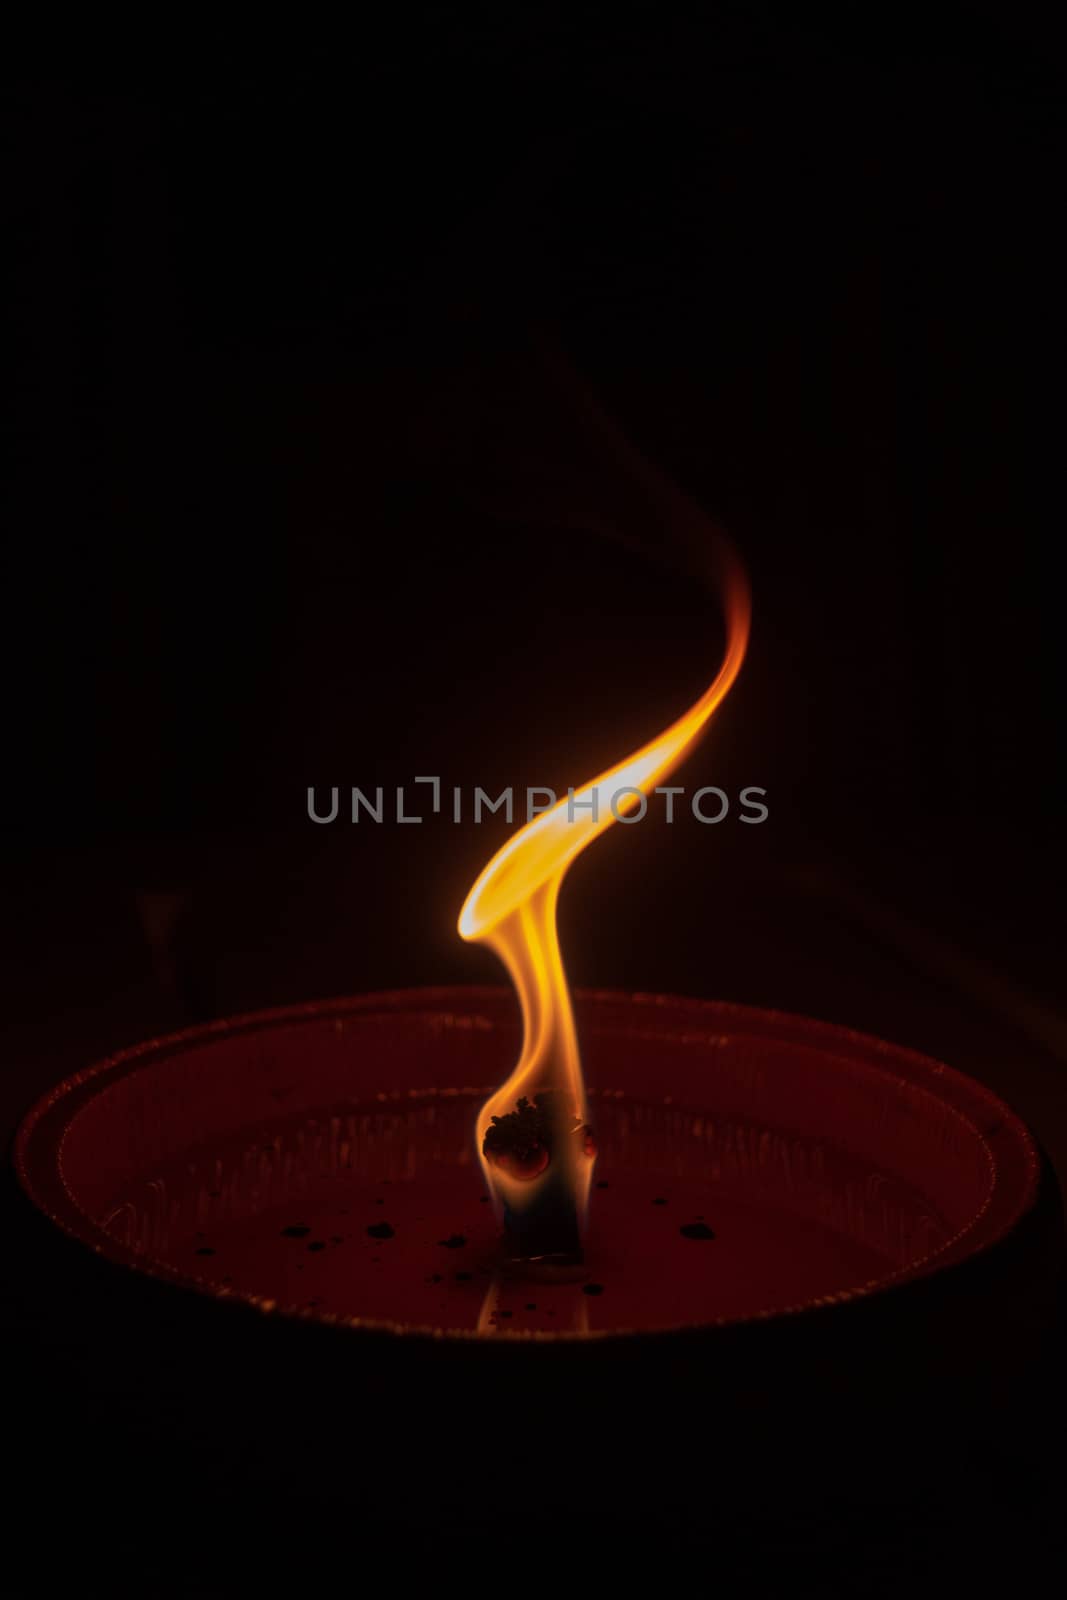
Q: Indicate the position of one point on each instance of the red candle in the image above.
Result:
(320, 1162)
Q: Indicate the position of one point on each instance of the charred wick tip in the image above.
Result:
(523, 1142)
(543, 1236)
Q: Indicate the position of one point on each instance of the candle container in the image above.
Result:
(277, 1233)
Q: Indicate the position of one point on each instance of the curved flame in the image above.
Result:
(512, 908)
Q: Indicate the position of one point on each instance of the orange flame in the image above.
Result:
(512, 908)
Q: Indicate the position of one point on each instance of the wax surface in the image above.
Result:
(396, 1227)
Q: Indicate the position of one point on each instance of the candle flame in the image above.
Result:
(534, 1130)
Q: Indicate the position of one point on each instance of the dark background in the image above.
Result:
(294, 503)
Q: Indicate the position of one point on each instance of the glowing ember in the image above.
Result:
(536, 1146)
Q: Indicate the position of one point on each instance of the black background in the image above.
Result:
(295, 504)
